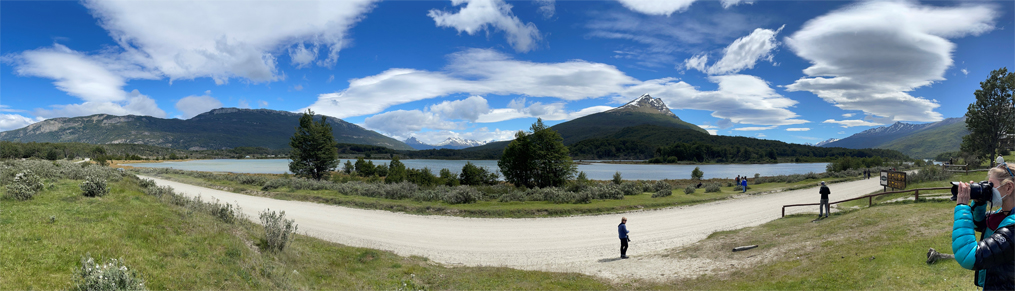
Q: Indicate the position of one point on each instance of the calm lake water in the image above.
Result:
(595, 171)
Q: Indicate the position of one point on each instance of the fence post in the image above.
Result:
(784, 211)
(870, 201)
(916, 197)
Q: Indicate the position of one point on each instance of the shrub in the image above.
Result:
(689, 190)
(224, 212)
(661, 186)
(712, 187)
(146, 183)
(741, 188)
(94, 187)
(278, 231)
(696, 174)
(24, 185)
(604, 191)
(617, 179)
(158, 191)
(630, 188)
(113, 275)
(662, 193)
(459, 195)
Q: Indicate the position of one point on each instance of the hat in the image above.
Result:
(822, 182)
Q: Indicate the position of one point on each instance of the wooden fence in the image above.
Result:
(870, 197)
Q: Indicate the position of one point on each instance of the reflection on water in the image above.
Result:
(595, 171)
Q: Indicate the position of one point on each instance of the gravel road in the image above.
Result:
(584, 244)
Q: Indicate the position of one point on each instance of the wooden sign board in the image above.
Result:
(894, 179)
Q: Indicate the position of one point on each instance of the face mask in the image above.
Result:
(996, 198)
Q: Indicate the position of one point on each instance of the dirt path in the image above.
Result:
(584, 244)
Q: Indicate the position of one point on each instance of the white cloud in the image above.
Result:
(15, 121)
(262, 103)
(760, 135)
(298, 87)
(480, 134)
(698, 62)
(553, 111)
(742, 99)
(135, 104)
(754, 128)
(241, 104)
(403, 122)
(841, 132)
(331, 78)
(466, 109)
(867, 57)
(477, 15)
(657, 7)
(798, 129)
(848, 115)
(965, 72)
(73, 72)
(712, 131)
(475, 72)
(730, 3)
(191, 106)
(852, 122)
(742, 54)
(546, 7)
(178, 39)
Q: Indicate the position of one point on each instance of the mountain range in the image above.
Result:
(915, 140)
(450, 143)
(221, 128)
(644, 110)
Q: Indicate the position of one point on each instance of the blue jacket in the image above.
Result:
(622, 229)
(972, 254)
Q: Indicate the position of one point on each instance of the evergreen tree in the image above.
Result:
(539, 159)
(313, 153)
(992, 117)
(396, 171)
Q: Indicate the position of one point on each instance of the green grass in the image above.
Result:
(883, 248)
(495, 208)
(178, 249)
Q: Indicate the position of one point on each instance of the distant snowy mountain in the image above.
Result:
(450, 143)
(645, 104)
(827, 141)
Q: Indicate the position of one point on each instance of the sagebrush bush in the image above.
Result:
(630, 188)
(662, 193)
(94, 187)
(661, 185)
(146, 183)
(113, 275)
(278, 231)
(712, 187)
(689, 190)
(928, 173)
(24, 185)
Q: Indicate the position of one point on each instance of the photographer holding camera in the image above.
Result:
(993, 256)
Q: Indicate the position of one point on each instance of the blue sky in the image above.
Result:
(798, 72)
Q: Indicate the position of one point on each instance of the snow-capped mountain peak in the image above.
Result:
(647, 104)
(827, 141)
(457, 141)
(449, 143)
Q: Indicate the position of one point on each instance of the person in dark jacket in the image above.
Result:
(824, 200)
(622, 229)
(992, 258)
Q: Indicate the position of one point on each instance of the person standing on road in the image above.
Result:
(824, 200)
(622, 229)
(743, 183)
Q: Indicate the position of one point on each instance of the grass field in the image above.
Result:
(494, 208)
(177, 248)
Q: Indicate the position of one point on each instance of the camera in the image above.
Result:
(977, 191)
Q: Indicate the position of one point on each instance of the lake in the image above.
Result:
(595, 171)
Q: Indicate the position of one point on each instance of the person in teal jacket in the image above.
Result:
(992, 258)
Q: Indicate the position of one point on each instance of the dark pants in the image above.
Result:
(623, 247)
(823, 208)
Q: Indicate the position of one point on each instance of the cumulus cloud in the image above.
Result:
(742, 54)
(191, 106)
(466, 109)
(15, 121)
(478, 15)
(135, 104)
(852, 122)
(798, 129)
(965, 72)
(867, 57)
(657, 7)
(177, 39)
(476, 72)
(741, 99)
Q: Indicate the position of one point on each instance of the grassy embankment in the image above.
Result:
(495, 208)
(176, 248)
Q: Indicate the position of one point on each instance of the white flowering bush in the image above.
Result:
(113, 275)
(94, 187)
(278, 231)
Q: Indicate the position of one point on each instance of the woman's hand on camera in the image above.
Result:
(963, 196)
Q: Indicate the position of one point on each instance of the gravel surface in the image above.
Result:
(583, 244)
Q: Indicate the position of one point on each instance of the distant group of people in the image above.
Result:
(867, 174)
(742, 182)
